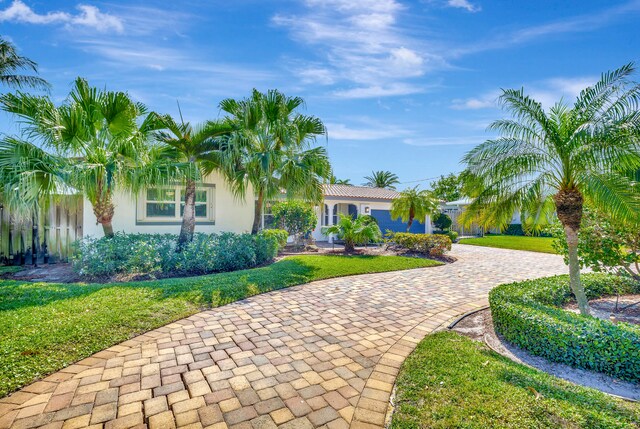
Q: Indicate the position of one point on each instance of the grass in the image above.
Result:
(47, 326)
(9, 269)
(515, 242)
(451, 381)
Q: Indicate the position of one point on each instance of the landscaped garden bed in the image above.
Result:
(451, 381)
(529, 314)
(47, 326)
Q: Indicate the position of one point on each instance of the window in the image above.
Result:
(166, 204)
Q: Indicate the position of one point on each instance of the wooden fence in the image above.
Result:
(43, 237)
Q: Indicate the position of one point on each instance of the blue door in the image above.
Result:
(384, 222)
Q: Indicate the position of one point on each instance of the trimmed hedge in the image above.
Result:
(428, 244)
(154, 255)
(529, 315)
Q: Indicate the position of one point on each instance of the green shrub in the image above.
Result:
(280, 235)
(453, 236)
(517, 229)
(528, 314)
(298, 218)
(155, 255)
(428, 244)
(442, 221)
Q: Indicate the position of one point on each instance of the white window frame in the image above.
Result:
(141, 206)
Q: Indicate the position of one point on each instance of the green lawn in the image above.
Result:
(451, 381)
(46, 326)
(533, 244)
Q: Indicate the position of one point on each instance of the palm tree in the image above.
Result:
(382, 179)
(333, 180)
(271, 146)
(11, 64)
(557, 160)
(354, 231)
(413, 204)
(94, 143)
(196, 152)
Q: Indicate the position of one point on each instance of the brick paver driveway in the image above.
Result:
(324, 354)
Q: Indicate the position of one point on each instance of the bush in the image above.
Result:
(428, 244)
(280, 235)
(453, 236)
(296, 217)
(442, 221)
(155, 255)
(528, 314)
(517, 229)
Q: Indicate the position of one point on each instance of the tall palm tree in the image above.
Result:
(272, 147)
(333, 180)
(558, 160)
(382, 179)
(196, 151)
(413, 204)
(96, 143)
(10, 66)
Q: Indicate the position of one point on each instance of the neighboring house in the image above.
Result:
(362, 200)
(455, 208)
(158, 210)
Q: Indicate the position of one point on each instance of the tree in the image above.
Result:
(382, 179)
(413, 204)
(298, 218)
(555, 161)
(333, 180)
(94, 143)
(272, 149)
(447, 188)
(11, 64)
(196, 152)
(442, 222)
(354, 231)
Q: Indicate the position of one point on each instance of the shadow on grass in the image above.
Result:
(208, 290)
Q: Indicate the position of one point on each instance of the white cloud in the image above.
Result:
(360, 44)
(463, 4)
(444, 141)
(88, 16)
(365, 128)
(548, 92)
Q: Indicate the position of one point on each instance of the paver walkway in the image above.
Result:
(324, 354)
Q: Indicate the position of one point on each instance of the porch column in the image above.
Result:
(330, 220)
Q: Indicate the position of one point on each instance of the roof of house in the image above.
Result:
(348, 191)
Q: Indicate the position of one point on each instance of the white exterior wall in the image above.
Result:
(231, 214)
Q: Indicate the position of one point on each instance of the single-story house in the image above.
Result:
(159, 210)
(362, 200)
(455, 208)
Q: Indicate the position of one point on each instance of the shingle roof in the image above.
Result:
(348, 191)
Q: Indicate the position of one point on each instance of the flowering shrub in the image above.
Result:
(428, 244)
(154, 255)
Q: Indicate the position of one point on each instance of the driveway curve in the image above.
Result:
(324, 354)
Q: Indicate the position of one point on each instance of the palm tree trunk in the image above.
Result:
(103, 209)
(349, 246)
(188, 216)
(409, 224)
(257, 218)
(574, 271)
(569, 206)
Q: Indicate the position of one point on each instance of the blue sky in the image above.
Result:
(405, 86)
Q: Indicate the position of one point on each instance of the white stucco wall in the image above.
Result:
(231, 214)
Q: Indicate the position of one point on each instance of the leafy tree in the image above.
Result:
(354, 231)
(196, 151)
(11, 64)
(382, 179)
(606, 244)
(94, 143)
(447, 188)
(298, 218)
(442, 221)
(272, 149)
(546, 161)
(413, 204)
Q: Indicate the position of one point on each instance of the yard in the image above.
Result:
(451, 381)
(46, 326)
(515, 242)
